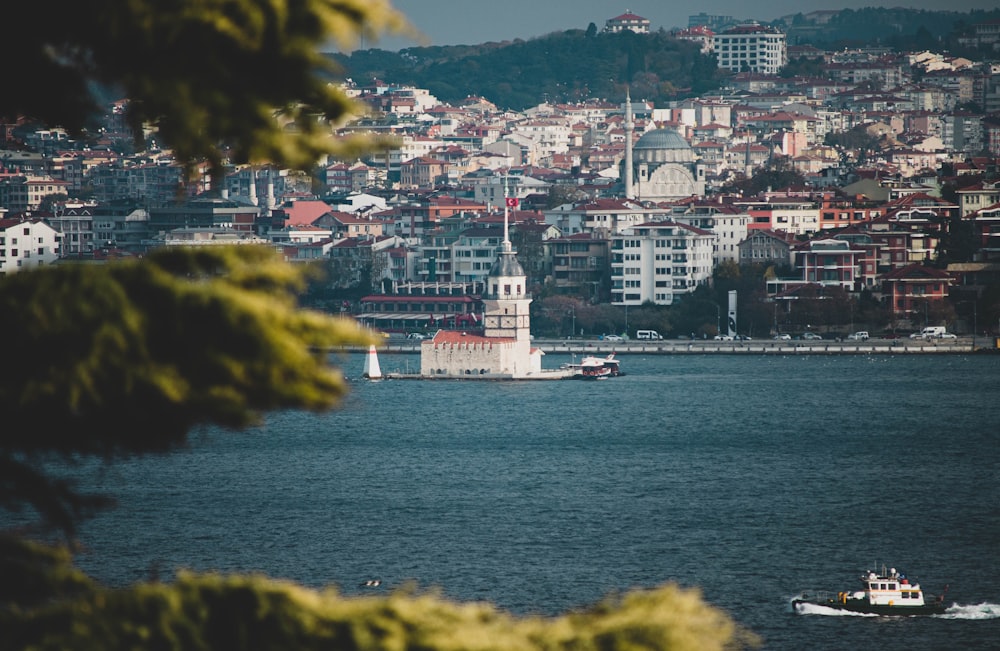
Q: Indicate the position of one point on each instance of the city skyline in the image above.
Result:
(482, 22)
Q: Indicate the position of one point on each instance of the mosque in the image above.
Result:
(660, 166)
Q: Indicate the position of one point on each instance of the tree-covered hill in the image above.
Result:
(898, 28)
(580, 64)
(559, 67)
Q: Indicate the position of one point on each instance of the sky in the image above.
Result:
(470, 22)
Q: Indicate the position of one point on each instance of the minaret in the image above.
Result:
(506, 300)
(253, 187)
(270, 189)
(629, 126)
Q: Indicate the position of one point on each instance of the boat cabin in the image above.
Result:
(890, 589)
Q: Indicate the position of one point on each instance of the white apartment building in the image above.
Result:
(473, 254)
(410, 147)
(792, 215)
(751, 48)
(75, 222)
(658, 262)
(729, 226)
(601, 216)
(962, 132)
(550, 136)
(26, 244)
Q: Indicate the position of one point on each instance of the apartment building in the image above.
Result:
(26, 244)
(751, 48)
(659, 262)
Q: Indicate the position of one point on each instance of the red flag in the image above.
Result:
(512, 202)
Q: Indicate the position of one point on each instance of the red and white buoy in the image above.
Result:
(371, 370)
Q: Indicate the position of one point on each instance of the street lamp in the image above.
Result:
(718, 320)
(975, 325)
(975, 322)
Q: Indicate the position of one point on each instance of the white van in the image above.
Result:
(647, 334)
(933, 332)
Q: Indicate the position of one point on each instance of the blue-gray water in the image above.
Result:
(753, 478)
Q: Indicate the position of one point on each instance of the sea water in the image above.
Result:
(751, 478)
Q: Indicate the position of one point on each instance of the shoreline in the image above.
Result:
(768, 347)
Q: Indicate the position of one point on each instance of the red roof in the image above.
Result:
(304, 212)
(628, 17)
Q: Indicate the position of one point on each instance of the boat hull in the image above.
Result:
(862, 606)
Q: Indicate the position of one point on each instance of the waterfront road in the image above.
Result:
(759, 347)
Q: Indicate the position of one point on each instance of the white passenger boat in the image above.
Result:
(595, 368)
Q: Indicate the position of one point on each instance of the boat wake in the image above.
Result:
(816, 609)
(979, 611)
(955, 611)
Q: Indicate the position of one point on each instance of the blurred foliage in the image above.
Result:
(35, 575)
(127, 357)
(232, 613)
(242, 80)
(559, 67)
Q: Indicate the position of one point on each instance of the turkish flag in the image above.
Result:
(512, 202)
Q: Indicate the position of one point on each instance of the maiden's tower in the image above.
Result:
(504, 350)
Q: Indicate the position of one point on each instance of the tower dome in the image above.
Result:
(506, 265)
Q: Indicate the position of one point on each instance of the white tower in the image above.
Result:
(506, 301)
(371, 369)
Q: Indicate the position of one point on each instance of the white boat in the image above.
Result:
(882, 593)
(595, 368)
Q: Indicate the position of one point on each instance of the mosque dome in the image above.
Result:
(661, 139)
(662, 146)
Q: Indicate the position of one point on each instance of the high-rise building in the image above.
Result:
(751, 48)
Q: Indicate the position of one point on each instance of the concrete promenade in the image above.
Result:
(963, 345)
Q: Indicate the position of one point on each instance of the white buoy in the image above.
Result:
(371, 370)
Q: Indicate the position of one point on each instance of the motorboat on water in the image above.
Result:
(883, 593)
(596, 368)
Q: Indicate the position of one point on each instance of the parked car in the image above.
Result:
(861, 335)
(782, 336)
(416, 335)
(722, 338)
(947, 335)
(613, 338)
(811, 336)
(744, 338)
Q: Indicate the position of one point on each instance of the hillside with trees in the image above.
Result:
(581, 64)
(896, 28)
(560, 67)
